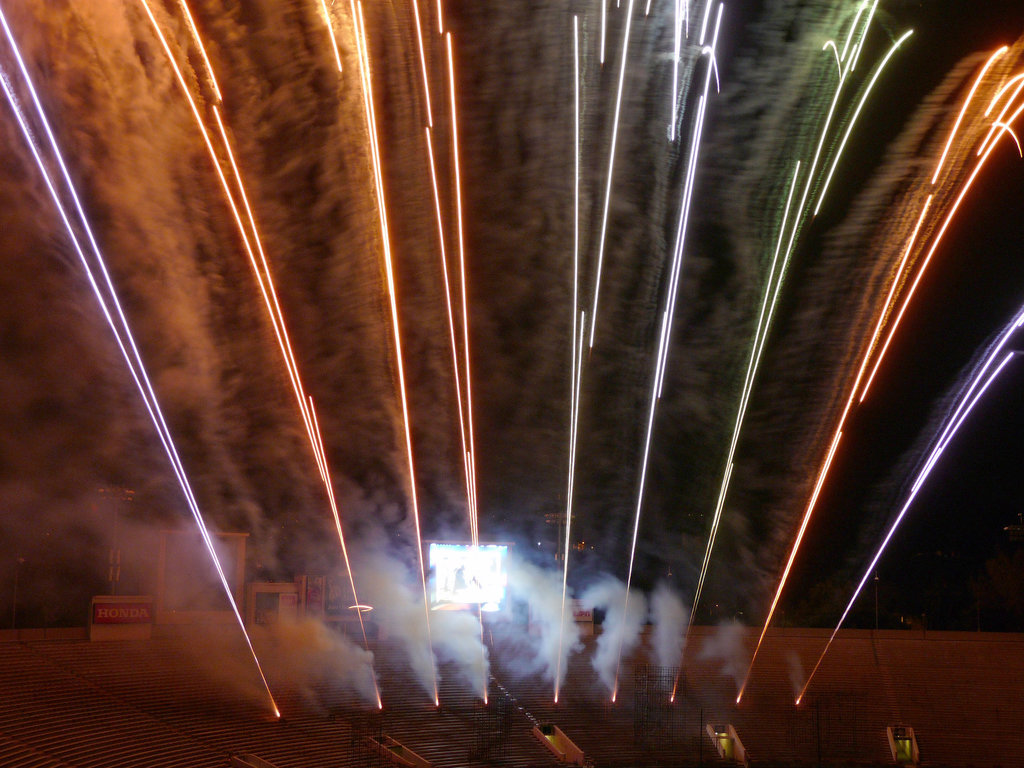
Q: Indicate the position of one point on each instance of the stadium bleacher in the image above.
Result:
(184, 699)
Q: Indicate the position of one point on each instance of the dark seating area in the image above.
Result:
(189, 698)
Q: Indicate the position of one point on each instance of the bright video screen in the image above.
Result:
(464, 576)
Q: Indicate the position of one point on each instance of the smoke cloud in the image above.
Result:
(396, 594)
(308, 654)
(669, 615)
(795, 669)
(542, 590)
(621, 630)
(726, 645)
(386, 584)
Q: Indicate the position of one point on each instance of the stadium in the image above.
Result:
(152, 681)
(517, 384)
(956, 696)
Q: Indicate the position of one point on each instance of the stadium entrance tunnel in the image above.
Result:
(903, 744)
(561, 745)
(727, 743)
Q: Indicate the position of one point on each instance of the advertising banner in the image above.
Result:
(122, 613)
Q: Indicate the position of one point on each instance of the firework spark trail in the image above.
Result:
(688, 196)
(119, 326)
(265, 281)
(325, 468)
(999, 122)
(575, 245)
(371, 125)
(963, 110)
(265, 284)
(573, 392)
(966, 402)
(843, 77)
(846, 62)
(334, 43)
(741, 411)
(871, 346)
(423, 60)
(573, 434)
(202, 49)
(467, 456)
(853, 120)
(611, 169)
(931, 252)
(823, 472)
(671, 294)
(466, 459)
(792, 557)
(681, 17)
(604, 27)
(772, 288)
(899, 274)
(465, 290)
(456, 166)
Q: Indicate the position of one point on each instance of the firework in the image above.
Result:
(261, 269)
(330, 34)
(987, 147)
(466, 457)
(107, 297)
(980, 381)
(611, 169)
(666, 327)
(794, 218)
(371, 127)
(423, 61)
(576, 364)
(474, 519)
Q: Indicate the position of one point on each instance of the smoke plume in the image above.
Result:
(669, 616)
(621, 630)
(726, 646)
(555, 630)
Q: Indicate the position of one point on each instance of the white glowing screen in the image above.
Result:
(463, 576)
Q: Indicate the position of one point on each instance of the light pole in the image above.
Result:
(14, 602)
(876, 601)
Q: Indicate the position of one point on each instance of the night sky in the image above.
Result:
(73, 422)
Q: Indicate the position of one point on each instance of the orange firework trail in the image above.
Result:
(261, 270)
(451, 328)
(371, 126)
(330, 33)
(423, 60)
(996, 128)
(202, 50)
(107, 297)
(471, 455)
(938, 168)
(466, 457)
(475, 526)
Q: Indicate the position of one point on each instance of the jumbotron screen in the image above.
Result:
(463, 576)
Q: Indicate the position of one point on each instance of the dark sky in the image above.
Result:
(73, 423)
